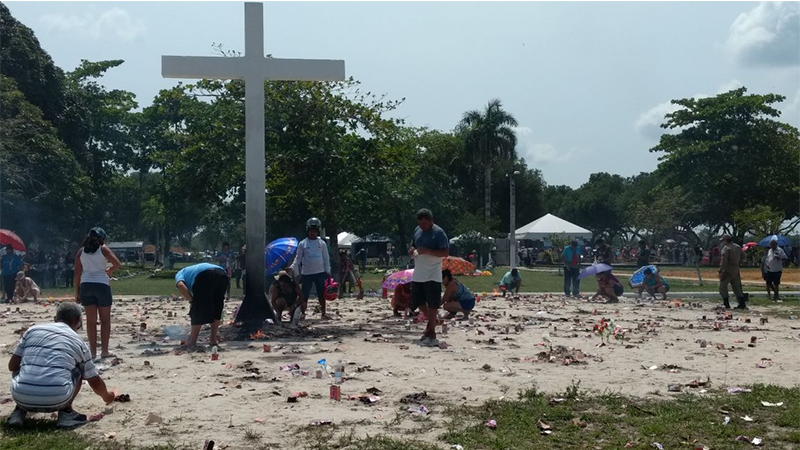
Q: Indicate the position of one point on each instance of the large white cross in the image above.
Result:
(253, 68)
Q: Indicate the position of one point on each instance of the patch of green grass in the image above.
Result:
(38, 434)
(532, 281)
(613, 420)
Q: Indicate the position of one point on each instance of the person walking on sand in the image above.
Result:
(93, 288)
(48, 366)
(774, 267)
(313, 263)
(731, 257)
(428, 248)
(204, 286)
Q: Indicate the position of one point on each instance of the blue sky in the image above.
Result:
(588, 82)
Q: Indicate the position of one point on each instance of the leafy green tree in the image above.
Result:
(729, 153)
(24, 60)
(662, 213)
(489, 137)
(761, 221)
(43, 189)
(596, 204)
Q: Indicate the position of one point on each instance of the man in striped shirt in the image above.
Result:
(48, 367)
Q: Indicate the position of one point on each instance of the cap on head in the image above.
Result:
(99, 232)
(774, 239)
(20, 275)
(726, 237)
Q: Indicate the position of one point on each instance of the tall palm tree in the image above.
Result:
(489, 138)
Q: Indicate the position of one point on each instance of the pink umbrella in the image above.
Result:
(749, 245)
(397, 278)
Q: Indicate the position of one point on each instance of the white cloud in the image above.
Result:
(649, 122)
(767, 35)
(790, 110)
(537, 153)
(115, 22)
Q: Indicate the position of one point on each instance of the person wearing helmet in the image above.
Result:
(312, 263)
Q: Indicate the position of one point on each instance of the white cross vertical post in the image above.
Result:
(254, 68)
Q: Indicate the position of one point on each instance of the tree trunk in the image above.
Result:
(401, 230)
(487, 190)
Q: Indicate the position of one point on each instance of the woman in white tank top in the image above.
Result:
(92, 289)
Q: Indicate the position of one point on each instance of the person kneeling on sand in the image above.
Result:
(48, 367)
(654, 283)
(457, 297)
(286, 295)
(511, 280)
(203, 285)
(401, 299)
(608, 286)
(25, 287)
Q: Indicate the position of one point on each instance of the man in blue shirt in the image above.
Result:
(572, 268)
(204, 286)
(11, 264)
(429, 247)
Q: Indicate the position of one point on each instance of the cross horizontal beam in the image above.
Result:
(243, 67)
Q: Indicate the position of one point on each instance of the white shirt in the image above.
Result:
(775, 260)
(50, 353)
(312, 257)
(94, 267)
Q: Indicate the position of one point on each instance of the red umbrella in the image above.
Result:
(9, 237)
(749, 245)
(458, 266)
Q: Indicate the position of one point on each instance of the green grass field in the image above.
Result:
(532, 281)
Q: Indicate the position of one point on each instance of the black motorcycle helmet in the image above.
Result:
(313, 223)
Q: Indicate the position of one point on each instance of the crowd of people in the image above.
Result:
(46, 269)
(51, 360)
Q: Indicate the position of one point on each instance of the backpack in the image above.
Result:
(331, 290)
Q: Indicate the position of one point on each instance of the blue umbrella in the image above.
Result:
(278, 254)
(783, 241)
(594, 270)
(638, 277)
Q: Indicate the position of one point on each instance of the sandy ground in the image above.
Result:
(504, 351)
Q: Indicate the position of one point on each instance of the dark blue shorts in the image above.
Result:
(467, 305)
(95, 294)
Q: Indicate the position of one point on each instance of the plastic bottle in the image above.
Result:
(214, 350)
(338, 373)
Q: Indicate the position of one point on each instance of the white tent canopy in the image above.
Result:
(346, 239)
(548, 225)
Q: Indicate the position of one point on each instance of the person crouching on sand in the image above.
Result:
(457, 297)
